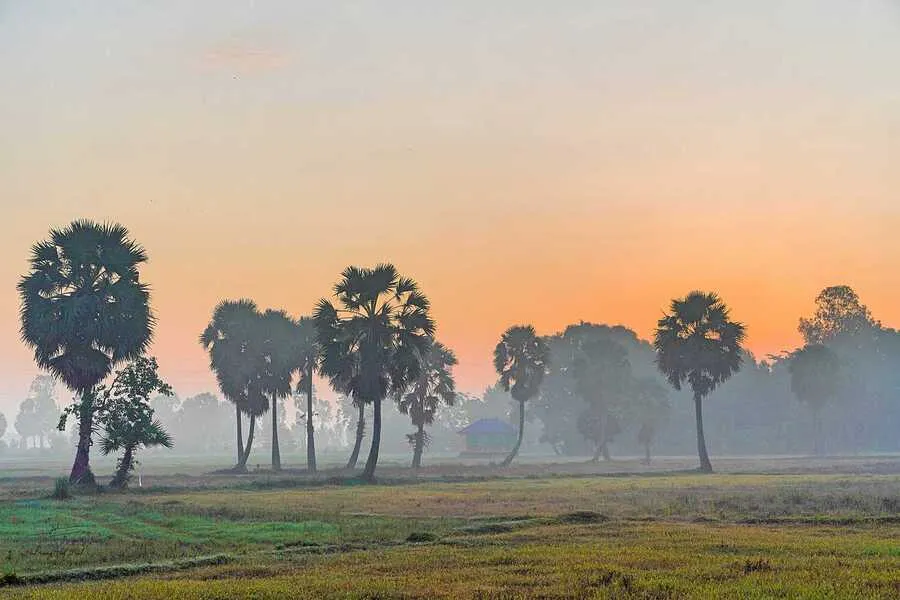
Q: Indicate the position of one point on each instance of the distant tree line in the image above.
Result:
(596, 390)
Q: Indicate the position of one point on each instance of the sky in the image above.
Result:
(526, 161)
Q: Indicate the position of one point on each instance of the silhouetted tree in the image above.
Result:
(233, 341)
(372, 345)
(839, 312)
(602, 376)
(127, 418)
(521, 359)
(433, 387)
(309, 364)
(697, 343)
(815, 380)
(38, 414)
(651, 406)
(84, 310)
(281, 358)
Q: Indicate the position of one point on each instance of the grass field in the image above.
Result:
(828, 532)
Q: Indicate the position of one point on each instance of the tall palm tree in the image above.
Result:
(373, 341)
(696, 342)
(815, 380)
(521, 359)
(233, 342)
(281, 358)
(309, 364)
(434, 386)
(84, 311)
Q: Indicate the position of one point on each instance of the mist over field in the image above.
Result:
(403, 299)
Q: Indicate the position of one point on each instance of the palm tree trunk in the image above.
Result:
(372, 461)
(705, 465)
(125, 465)
(360, 433)
(276, 453)
(506, 462)
(310, 431)
(240, 438)
(418, 447)
(246, 455)
(81, 469)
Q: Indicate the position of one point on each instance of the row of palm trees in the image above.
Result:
(84, 311)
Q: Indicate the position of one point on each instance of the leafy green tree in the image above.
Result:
(84, 310)
(652, 408)
(309, 364)
(433, 387)
(696, 342)
(815, 381)
(235, 348)
(373, 340)
(521, 359)
(127, 418)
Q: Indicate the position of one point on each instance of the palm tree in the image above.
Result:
(521, 359)
(372, 345)
(84, 311)
(233, 342)
(309, 364)
(281, 358)
(434, 385)
(815, 380)
(697, 343)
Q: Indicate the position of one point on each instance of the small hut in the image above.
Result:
(488, 436)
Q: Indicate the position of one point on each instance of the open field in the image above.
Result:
(793, 528)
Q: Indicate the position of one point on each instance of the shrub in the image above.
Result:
(62, 489)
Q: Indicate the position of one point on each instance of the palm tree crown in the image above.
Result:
(697, 343)
(434, 386)
(521, 359)
(84, 309)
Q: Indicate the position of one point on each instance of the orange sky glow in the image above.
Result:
(525, 163)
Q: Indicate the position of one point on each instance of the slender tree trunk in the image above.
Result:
(81, 469)
(705, 465)
(372, 461)
(600, 449)
(120, 480)
(515, 451)
(360, 433)
(246, 456)
(276, 453)
(310, 431)
(240, 439)
(418, 447)
(817, 432)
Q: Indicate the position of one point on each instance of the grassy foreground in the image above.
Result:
(660, 536)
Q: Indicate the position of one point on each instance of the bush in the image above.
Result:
(62, 489)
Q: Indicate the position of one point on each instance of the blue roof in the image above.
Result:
(488, 426)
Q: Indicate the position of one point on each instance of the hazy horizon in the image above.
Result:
(525, 162)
